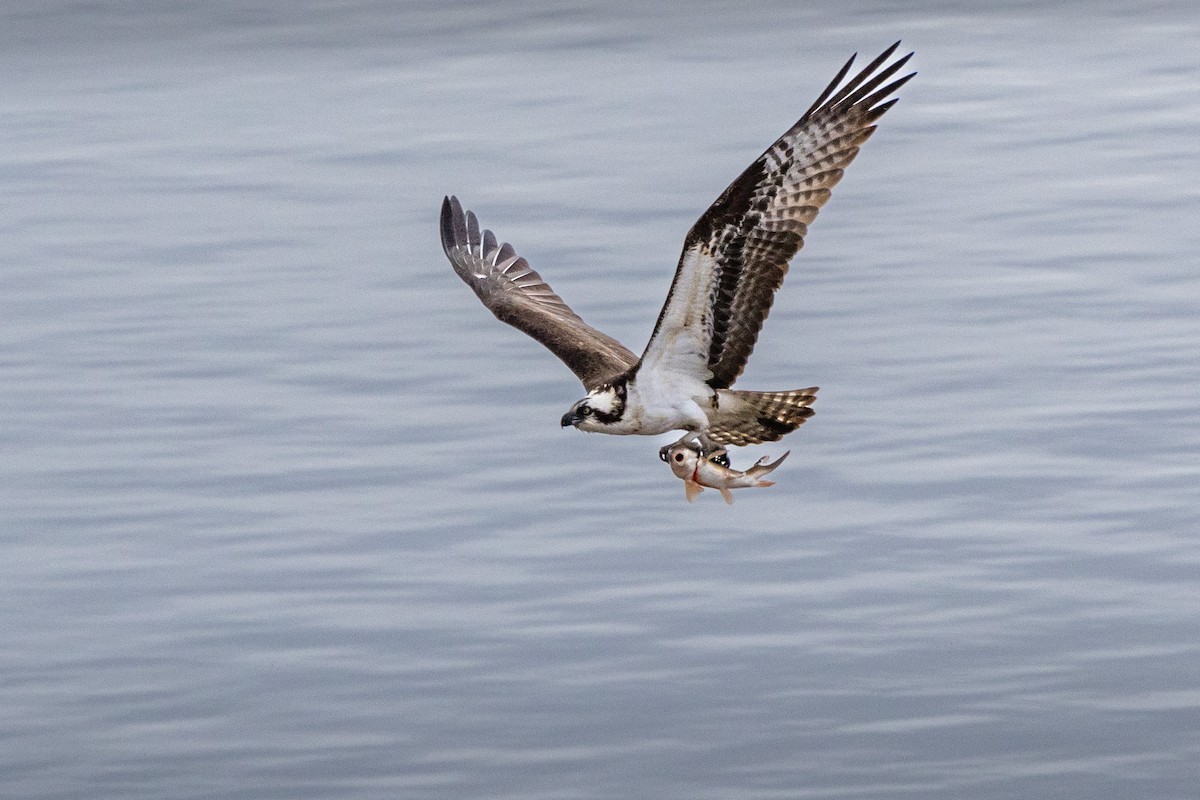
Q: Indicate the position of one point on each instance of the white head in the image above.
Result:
(603, 407)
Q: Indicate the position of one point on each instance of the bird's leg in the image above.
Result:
(719, 457)
(708, 449)
(712, 451)
(704, 446)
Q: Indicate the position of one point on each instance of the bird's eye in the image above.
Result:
(679, 456)
(584, 411)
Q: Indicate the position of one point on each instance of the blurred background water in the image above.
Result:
(285, 513)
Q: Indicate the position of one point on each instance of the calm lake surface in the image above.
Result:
(284, 513)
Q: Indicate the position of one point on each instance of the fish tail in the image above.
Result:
(760, 469)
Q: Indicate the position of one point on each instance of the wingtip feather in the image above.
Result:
(447, 226)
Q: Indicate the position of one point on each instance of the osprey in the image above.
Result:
(734, 259)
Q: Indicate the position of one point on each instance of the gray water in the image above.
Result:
(284, 513)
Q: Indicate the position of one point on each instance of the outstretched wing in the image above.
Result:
(518, 295)
(735, 256)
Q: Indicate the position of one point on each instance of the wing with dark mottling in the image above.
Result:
(518, 295)
(735, 256)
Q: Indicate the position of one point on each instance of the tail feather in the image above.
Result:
(753, 417)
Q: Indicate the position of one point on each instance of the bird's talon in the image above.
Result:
(719, 457)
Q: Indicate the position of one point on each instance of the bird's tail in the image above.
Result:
(752, 417)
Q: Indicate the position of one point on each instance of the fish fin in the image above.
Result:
(728, 495)
(765, 483)
(692, 490)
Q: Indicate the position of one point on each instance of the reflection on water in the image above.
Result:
(285, 513)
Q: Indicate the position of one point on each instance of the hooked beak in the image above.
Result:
(569, 418)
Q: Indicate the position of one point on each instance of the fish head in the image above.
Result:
(683, 460)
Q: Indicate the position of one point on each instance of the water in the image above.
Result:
(285, 513)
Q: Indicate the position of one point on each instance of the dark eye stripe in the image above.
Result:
(606, 418)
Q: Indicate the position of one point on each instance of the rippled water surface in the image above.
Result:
(284, 513)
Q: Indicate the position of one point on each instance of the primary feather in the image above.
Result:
(516, 294)
(736, 255)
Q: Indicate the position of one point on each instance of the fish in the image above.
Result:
(698, 472)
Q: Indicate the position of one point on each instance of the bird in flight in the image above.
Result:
(734, 259)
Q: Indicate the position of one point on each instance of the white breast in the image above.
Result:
(661, 402)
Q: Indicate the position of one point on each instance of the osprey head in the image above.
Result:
(602, 407)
